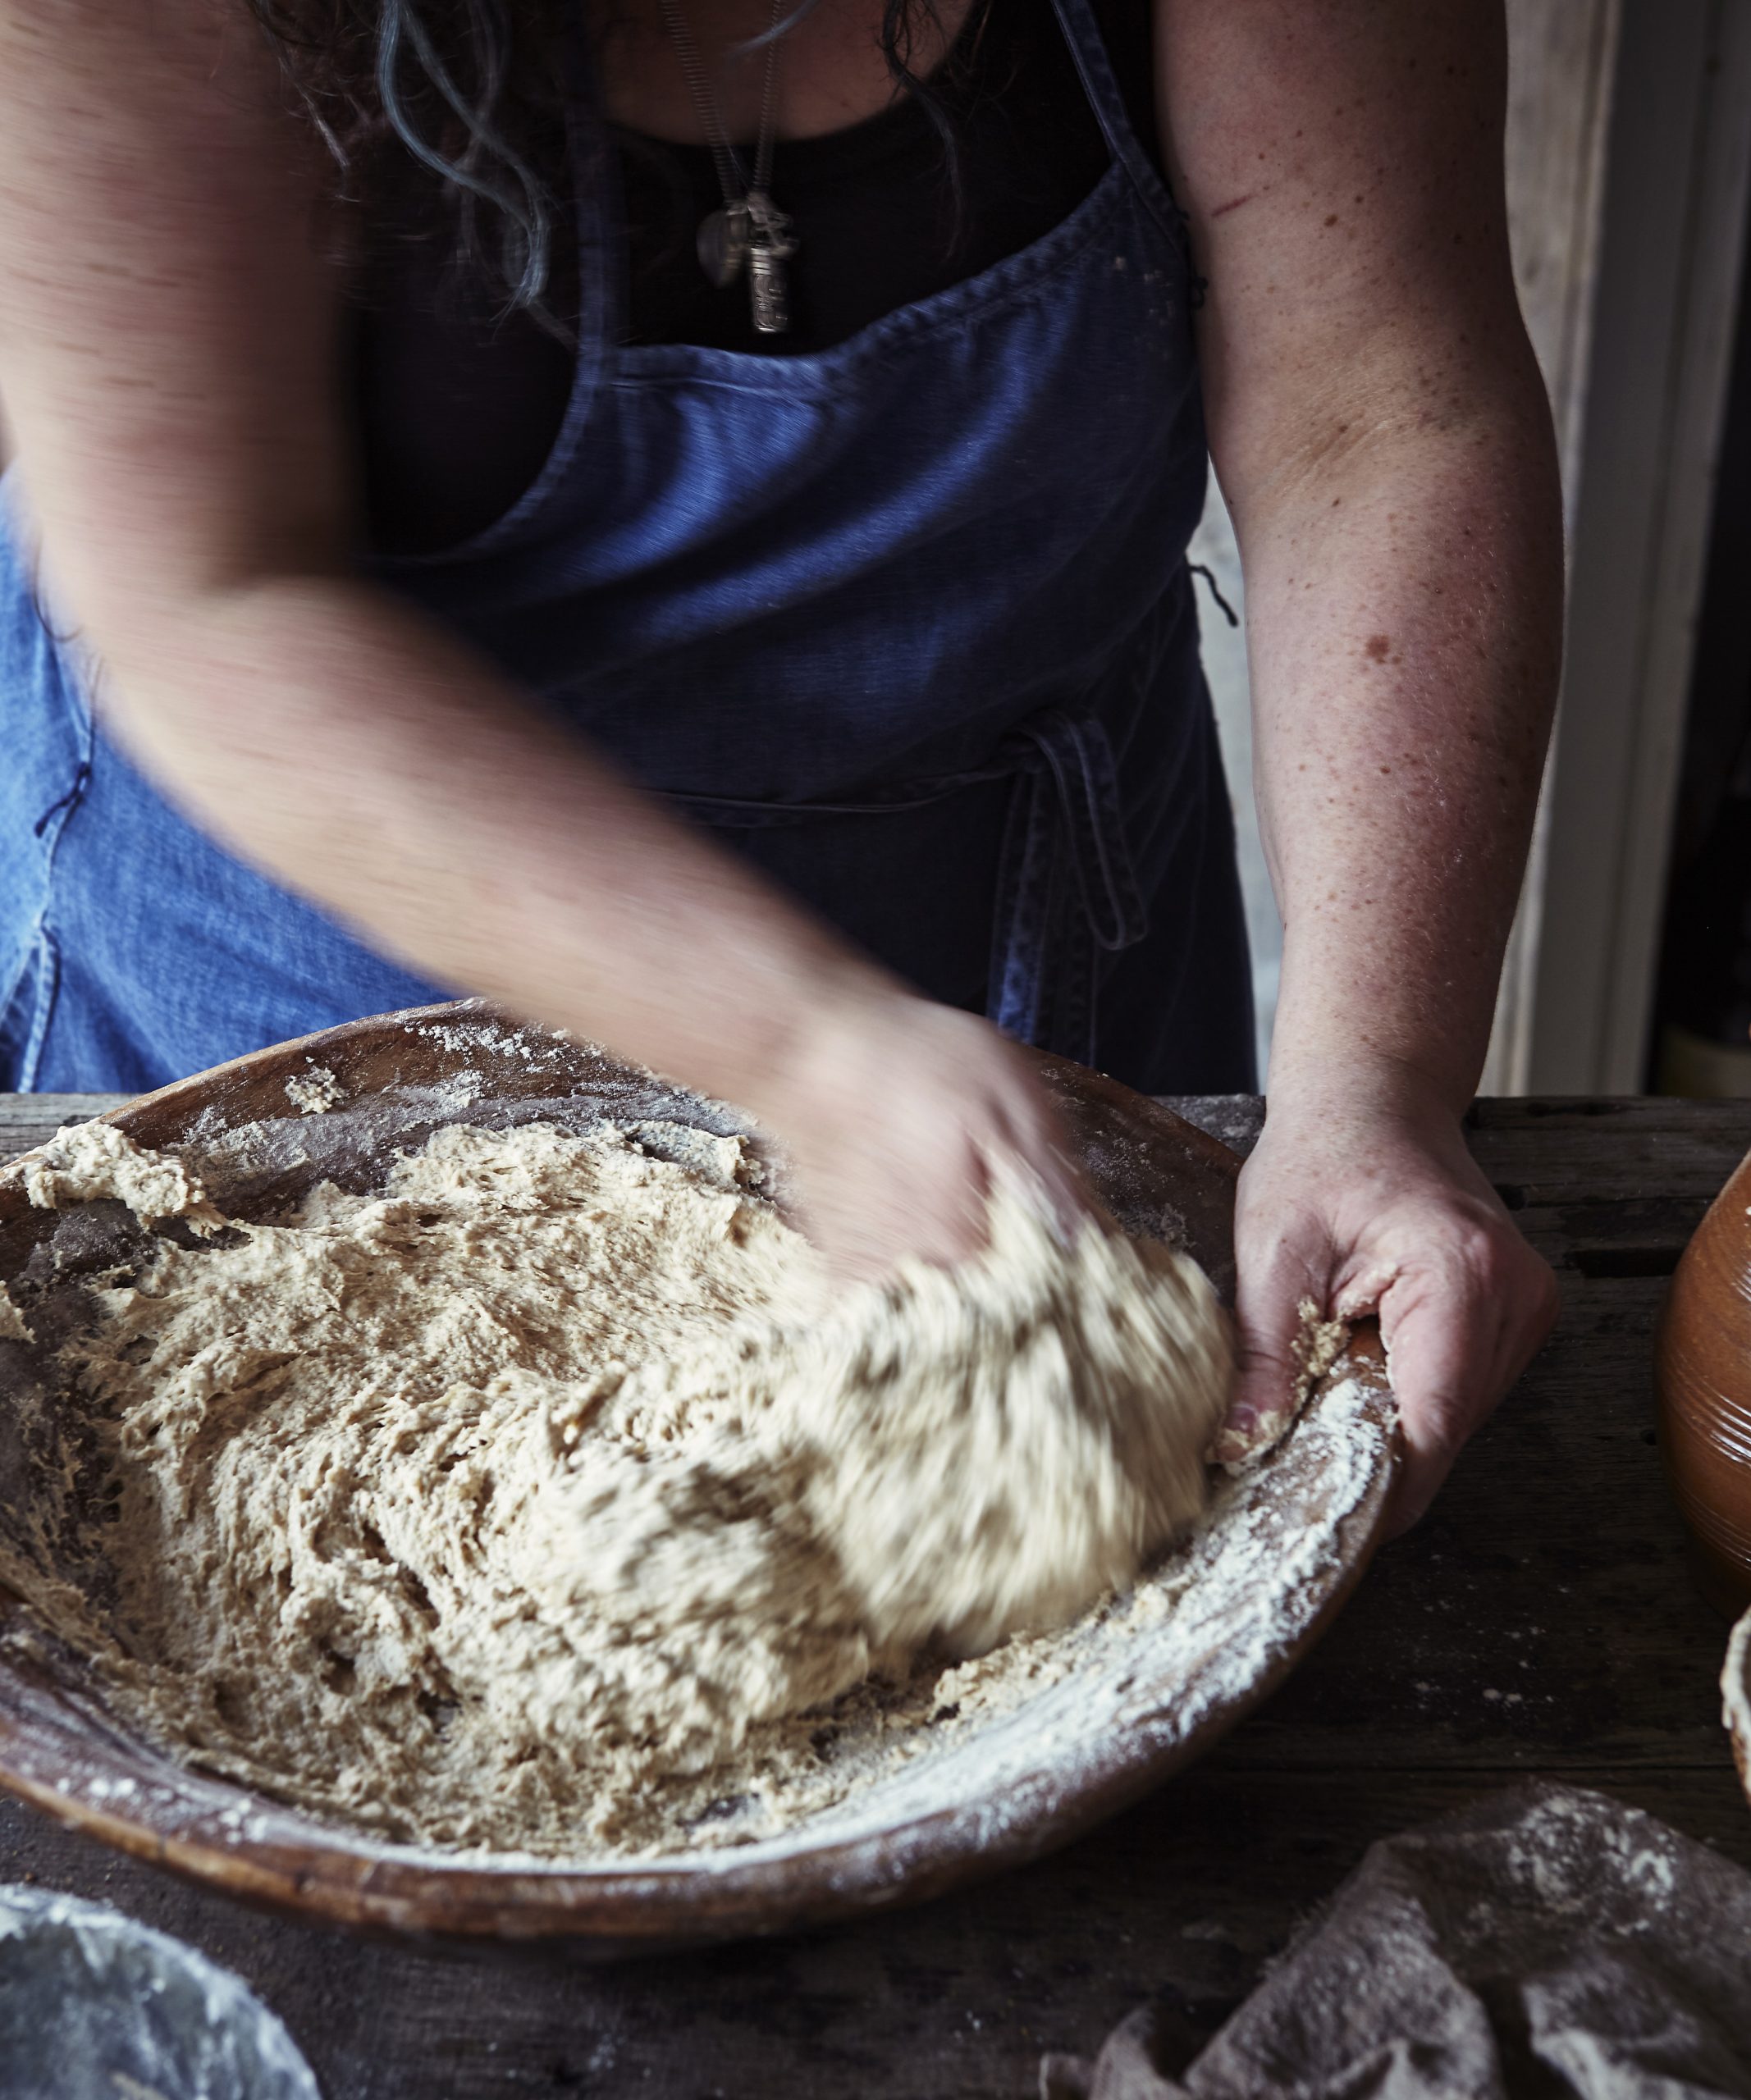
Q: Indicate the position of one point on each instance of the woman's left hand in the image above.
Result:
(1362, 1197)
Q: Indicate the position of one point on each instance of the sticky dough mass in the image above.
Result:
(479, 1510)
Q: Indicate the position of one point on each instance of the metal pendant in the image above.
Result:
(769, 247)
(722, 243)
(766, 290)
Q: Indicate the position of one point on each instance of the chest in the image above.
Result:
(833, 69)
(882, 222)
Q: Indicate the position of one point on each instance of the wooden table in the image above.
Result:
(1541, 1621)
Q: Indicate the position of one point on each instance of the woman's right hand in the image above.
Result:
(896, 1114)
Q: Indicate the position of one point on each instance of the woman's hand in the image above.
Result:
(1362, 1197)
(896, 1114)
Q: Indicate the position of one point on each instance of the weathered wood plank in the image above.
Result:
(27, 1119)
(1602, 1148)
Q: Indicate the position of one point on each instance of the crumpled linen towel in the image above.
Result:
(1544, 1942)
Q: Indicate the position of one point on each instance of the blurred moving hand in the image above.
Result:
(898, 1114)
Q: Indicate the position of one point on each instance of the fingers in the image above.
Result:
(1457, 1336)
(1281, 1270)
(1029, 1148)
(898, 1145)
(1443, 1347)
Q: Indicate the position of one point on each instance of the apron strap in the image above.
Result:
(1066, 889)
(1106, 98)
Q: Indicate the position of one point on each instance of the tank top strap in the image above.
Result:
(1094, 63)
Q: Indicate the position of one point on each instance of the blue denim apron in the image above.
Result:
(907, 622)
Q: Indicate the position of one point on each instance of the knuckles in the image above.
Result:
(1298, 1222)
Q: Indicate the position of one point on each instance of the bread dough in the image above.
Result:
(90, 1160)
(1315, 1348)
(480, 1510)
(316, 1091)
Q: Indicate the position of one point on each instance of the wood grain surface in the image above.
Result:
(1541, 1621)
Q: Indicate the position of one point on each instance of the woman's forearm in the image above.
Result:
(358, 753)
(1403, 614)
(1384, 443)
(354, 751)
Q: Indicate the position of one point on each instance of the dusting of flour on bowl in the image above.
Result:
(550, 1499)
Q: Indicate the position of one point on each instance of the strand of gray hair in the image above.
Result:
(489, 170)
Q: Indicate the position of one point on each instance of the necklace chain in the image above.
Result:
(749, 233)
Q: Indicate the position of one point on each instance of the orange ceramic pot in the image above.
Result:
(1703, 1373)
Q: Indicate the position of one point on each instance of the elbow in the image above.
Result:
(1391, 432)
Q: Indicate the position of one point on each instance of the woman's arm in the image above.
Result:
(1382, 439)
(168, 356)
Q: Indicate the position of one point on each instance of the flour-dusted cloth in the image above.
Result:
(1547, 1941)
(95, 2006)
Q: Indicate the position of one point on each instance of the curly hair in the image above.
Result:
(471, 90)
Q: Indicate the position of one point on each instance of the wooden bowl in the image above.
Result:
(1702, 1379)
(1735, 1699)
(1131, 1709)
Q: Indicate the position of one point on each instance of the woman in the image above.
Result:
(773, 702)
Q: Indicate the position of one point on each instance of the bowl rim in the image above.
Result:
(62, 1752)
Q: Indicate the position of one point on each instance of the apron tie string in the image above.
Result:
(1066, 889)
(1066, 834)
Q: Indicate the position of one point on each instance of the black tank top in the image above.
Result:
(458, 405)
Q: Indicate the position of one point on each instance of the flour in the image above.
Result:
(551, 1498)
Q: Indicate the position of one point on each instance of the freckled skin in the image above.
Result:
(1379, 431)
(1382, 440)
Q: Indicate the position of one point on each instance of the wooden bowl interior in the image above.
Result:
(406, 1074)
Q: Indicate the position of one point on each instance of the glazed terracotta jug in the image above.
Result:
(1703, 1373)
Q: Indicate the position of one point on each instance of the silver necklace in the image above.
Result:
(748, 232)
